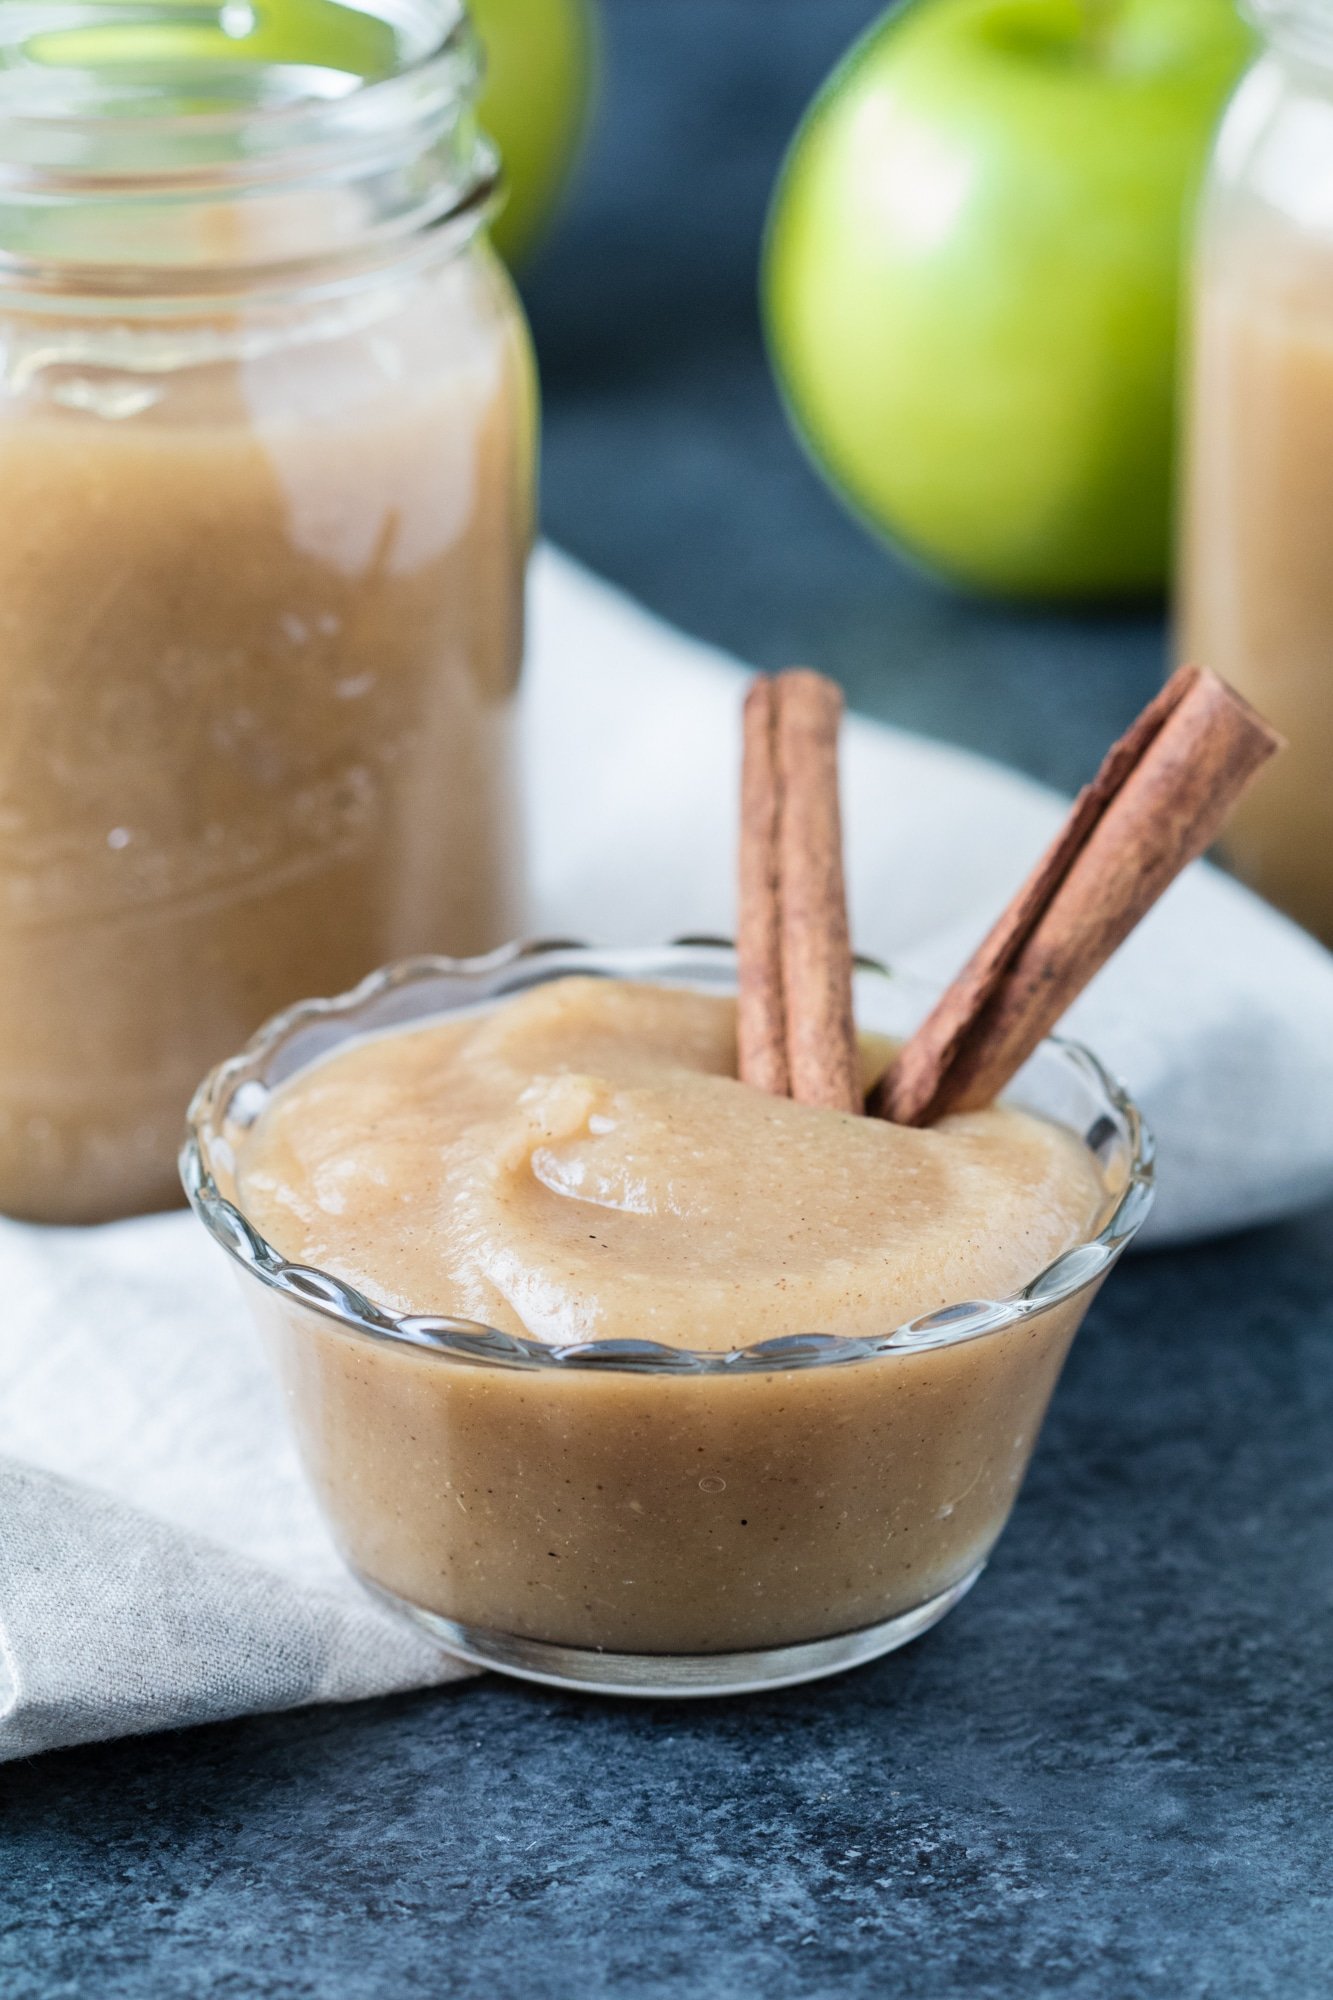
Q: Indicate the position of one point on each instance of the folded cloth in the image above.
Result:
(160, 1560)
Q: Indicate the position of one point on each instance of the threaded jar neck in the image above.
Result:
(168, 145)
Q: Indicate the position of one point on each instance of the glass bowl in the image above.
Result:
(640, 1519)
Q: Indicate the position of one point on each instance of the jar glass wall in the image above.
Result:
(266, 463)
(1256, 594)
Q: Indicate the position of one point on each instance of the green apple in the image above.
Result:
(972, 277)
(539, 67)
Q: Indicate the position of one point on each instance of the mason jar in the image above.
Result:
(266, 464)
(1256, 586)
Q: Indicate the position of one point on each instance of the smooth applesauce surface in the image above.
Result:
(581, 1163)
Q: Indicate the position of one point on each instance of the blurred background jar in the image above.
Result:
(266, 461)
(1256, 586)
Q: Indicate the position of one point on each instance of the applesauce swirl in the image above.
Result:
(580, 1164)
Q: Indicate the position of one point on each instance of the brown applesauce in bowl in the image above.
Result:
(609, 1369)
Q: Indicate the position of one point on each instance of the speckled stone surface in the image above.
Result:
(1107, 1775)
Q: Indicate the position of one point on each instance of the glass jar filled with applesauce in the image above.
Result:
(1256, 589)
(267, 420)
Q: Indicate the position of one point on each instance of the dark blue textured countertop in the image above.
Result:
(1108, 1773)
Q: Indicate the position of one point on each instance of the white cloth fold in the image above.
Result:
(160, 1560)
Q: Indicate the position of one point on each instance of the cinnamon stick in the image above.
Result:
(796, 1034)
(816, 945)
(761, 1022)
(1160, 798)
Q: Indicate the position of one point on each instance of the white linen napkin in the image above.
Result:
(160, 1561)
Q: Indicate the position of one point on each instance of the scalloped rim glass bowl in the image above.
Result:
(880, 1469)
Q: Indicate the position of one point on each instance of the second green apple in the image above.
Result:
(972, 279)
(539, 71)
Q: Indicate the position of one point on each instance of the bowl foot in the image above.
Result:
(670, 1675)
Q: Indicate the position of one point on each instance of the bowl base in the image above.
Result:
(671, 1675)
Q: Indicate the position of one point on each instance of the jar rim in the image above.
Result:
(98, 98)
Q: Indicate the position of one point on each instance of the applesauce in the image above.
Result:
(658, 1369)
(1256, 582)
(266, 463)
